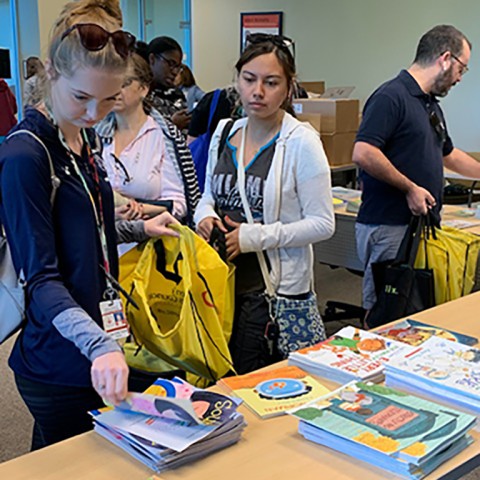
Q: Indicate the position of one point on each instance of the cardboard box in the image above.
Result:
(338, 115)
(314, 119)
(314, 87)
(338, 147)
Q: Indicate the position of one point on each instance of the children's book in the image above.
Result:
(171, 424)
(444, 370)
(415, 333)
(178, 399)
(350, 354)
(275, 391)
(385, 427)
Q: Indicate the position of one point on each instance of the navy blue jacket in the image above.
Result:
(57, 248)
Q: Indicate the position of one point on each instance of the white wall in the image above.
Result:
(346, 42)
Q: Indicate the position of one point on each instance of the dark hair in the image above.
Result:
(139, 69)
(284, 57)
(161, 45)
(439, 40)
(141, 48)
(186, 77)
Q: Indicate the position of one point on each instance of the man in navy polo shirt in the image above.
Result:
(403, 145)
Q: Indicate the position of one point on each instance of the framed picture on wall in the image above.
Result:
(260, 22)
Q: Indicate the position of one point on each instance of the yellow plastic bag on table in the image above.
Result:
(453, 257)
(185, 294)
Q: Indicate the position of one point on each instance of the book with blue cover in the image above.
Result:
(391, 429)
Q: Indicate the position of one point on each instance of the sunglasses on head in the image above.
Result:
(278, 40)
(94, 38)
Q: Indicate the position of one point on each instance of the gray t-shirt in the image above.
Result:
(248, 277)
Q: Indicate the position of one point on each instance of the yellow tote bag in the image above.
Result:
(453, 257)
(185, 294)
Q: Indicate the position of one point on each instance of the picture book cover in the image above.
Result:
(275, 391)
(355, 352)
(451, 365)
(415, 333)
(387, 421)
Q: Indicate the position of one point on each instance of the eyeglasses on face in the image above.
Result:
(94, 38)
(172, 64)
(463, 65)
(278, 40)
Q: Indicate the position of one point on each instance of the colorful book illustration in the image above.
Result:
(441, 369)
(350, 354)
(177, 399)
(415, 333)
(393, 430)
(275, 391)
(173, 423)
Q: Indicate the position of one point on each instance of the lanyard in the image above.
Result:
(99, 217)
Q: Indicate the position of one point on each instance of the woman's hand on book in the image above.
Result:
(110, 377)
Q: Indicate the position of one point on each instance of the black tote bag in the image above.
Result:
(402, 289)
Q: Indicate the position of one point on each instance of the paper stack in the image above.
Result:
(350, 354)
(401, 433)
(171, 424)
(445, 371)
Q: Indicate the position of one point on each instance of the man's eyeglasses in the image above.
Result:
(173, 65)
(437, 124)
(278, 40)
(94, 38)
(127, 178)
(463, 65)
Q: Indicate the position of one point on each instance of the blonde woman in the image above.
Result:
(63, 229)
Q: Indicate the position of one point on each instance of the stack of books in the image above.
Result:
(446, 371)
(350, 354)
(273, 392)
(349, 196)
(415, 333)
(171, 424)
(401, 433)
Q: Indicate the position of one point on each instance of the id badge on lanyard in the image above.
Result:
(113, 318)
(111, 308)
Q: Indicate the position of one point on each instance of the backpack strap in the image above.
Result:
(223, 137)
(53, 177)
(213, 107)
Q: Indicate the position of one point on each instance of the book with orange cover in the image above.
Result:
(273, 392)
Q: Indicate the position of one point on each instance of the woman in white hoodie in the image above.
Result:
(287, 186)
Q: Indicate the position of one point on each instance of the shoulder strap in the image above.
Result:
(223, 137)
(213, 107)
(53, 177)
(248, 214)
